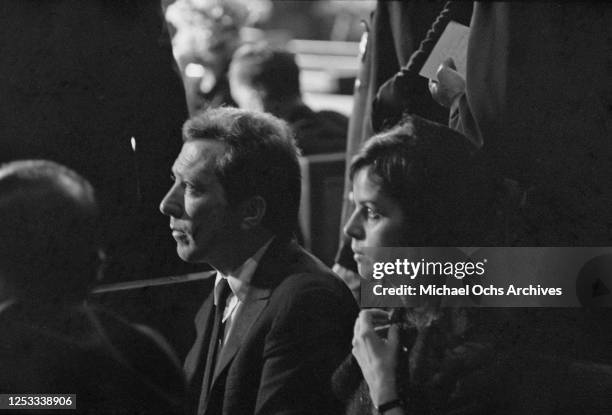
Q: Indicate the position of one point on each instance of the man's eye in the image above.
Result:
(189, 188)
(372, 214)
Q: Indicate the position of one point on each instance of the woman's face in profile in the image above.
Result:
(377, 221)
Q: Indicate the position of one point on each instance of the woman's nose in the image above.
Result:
(354, 226)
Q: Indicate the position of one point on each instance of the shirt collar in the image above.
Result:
(240, 279)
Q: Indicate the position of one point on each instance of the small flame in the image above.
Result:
(133, 142)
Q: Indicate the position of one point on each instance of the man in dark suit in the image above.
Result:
(52, 342)
(271, 343)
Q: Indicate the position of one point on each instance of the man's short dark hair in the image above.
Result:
(48, 230)
(429, 169)
(270, 70)
(261, 160)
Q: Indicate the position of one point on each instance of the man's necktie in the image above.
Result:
(222, 291)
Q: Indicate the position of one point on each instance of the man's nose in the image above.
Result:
(172, 203)
(354, 226)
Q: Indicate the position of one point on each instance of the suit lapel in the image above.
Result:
(247, 315)
(272, 269)
(195, 360)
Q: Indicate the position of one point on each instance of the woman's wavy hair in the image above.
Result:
(432, 172)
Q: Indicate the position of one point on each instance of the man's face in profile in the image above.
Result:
(201, 220)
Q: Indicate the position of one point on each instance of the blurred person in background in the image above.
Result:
(205, 35)
(263, 78)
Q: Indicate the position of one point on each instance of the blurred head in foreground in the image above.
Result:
(49, 243)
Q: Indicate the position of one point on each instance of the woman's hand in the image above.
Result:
(377, 357)
(449, 86)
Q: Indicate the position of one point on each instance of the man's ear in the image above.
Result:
(253, 210)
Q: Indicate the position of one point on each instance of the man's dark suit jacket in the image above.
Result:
(285, 343)
(112, 367)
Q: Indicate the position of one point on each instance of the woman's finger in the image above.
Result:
(393, 336)
(450, 78)
(433, 87)
(373, 317)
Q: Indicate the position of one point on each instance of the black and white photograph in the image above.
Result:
(305, 207)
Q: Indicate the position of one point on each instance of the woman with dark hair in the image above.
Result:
(426, 170)
(421, 184)
(416, 184)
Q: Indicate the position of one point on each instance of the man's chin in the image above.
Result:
(187, 254)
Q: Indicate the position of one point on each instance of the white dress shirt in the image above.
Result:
(239, 282)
